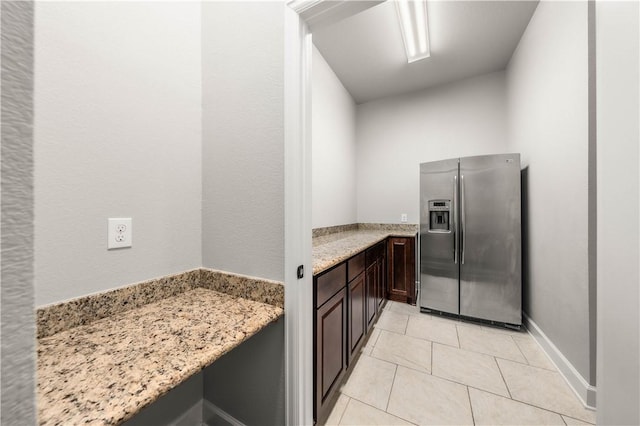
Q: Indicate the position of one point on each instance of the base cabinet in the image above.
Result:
(331, 344)
(348, 299)
(401, 274)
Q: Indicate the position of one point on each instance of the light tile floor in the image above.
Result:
(429, 370)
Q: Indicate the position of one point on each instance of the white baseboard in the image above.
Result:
(213, 412)
(585, 392)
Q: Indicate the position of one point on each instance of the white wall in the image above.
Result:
(243, 137)
(618, 112)
(333, 134)
(547, 80)
(394, 135)
(117, 134)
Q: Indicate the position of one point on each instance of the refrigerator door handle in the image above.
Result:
(463, 219)
(455, 219)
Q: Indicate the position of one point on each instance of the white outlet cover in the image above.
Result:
(120, 232)
(403, 217)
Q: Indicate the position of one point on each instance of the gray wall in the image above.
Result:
(618, 113)
(243, 137)
(333, 135)
(547, 86)
(17, 319)
(248, 382)
(117, 134)
(394, 135)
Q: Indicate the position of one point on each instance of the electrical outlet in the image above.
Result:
(119, 233)
(403, 218)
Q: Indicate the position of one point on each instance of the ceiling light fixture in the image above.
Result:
(413, 25)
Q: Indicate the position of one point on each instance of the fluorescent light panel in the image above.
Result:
(413, 24)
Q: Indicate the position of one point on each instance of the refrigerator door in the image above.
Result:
(490, 241)
(439, 288)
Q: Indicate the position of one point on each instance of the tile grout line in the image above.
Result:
(550, 411)
(458, 337)
(469, 386)
(503, 379)
(521, 402)
(473, 418)
(376, 408)
(521, 351)
(395, 372)
(345, 409)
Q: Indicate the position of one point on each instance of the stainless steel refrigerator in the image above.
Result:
(470, 238)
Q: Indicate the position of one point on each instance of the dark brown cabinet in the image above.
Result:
(375, 279)
(356, 314)
(382, 277)
(331, 345)
(348, 299)
(357, 307)
(372, 284)
(330, 356)
(401, 274)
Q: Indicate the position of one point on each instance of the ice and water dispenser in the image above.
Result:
(439, 215)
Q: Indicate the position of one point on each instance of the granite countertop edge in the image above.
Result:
(138, 356)
(340, 246)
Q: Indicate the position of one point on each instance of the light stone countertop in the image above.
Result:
(329, 250)
(105, 372)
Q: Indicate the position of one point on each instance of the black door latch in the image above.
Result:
(300, 271)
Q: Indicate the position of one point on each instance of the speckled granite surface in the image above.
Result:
(104, 372)
(256, 289)
(84, 310)
(391, 227)
(329, 250)
(319, 232)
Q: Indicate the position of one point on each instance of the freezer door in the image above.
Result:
(490, 240)
(439, 288)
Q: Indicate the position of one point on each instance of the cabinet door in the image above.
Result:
(371, 279)
(401, 265)
(331, 339)
(357, 309)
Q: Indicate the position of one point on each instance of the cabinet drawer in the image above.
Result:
(330, 283)
(375, 252)
(355, 266)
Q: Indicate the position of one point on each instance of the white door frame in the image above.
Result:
(300, 17)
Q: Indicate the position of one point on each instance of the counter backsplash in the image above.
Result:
(63, 316)
(408, 227)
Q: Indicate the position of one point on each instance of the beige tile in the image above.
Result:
(370, 381)
(571, 421)
(434, 331)
(503, 330)
(427, 400)
(337, 411)
(403, 350)
(498, 345)
(359, 414)
(469, 368)
(466, 323)
(402, 308)
(533, 352)
(543, 388)
(373, 338)
(490, 409)
(441, 318)
(393, 321)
